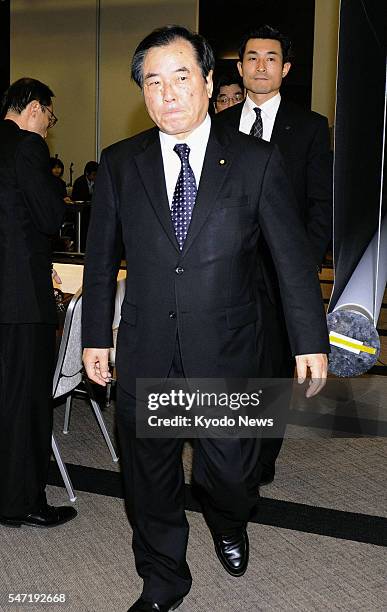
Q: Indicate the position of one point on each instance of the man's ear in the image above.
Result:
(209, 83)
(285, 69)
(240, 69)
(32, 108)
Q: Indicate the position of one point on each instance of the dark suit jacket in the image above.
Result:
(31, 209)
(303, 139)
(81, 190)
(207, 293)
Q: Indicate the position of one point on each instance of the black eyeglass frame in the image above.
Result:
(226, 99)
(53, 118)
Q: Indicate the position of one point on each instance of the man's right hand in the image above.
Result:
(96, 362)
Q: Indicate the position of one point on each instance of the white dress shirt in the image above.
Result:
(197, 142)
(90, 185)
(268, 113)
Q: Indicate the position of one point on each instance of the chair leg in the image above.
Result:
(63, 470)
(67, 414)
(101, 422)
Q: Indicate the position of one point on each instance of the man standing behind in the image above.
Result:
(31, 210)
(190, 202)
(303, 139)
(228, 91)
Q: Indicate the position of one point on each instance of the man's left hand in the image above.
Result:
(318, 364)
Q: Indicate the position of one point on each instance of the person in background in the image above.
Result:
(228, 90)
(82, 192)
(84, 185)
(57, 170)
(302, 136)
(31, 211)
(63, 240)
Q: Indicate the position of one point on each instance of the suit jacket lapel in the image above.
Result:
(283, 129)
(217, 162)
(234, 115)
(150, 166)
(216, 166)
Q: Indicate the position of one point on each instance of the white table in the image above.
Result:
(72, 276)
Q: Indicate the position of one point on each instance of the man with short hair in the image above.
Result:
(190, 212)
(303, 139)
(228, 91)
(83, 192)
(31, 211)
(84, 185)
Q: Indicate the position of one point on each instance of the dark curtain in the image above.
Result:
(358, 133)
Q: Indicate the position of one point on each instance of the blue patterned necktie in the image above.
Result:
(257, 127)
(184, 195)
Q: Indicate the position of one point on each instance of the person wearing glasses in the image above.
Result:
(31, 211)
(227, 92)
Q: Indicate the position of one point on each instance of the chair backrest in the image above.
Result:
(120, 294)
(68, 371)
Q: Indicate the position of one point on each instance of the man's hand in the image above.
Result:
(318, 364)
(96, 362)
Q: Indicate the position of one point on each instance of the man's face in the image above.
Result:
(92, 176)
(262, 67)
(228, 96)
(176, 94)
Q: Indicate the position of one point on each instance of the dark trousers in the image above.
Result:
(27, 353)
(278, 362)
(225, 474)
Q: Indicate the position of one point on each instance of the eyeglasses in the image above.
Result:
(52, 119)
(223, 99)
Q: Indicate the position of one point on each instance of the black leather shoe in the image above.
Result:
(267, 476)
(147, 606)
(233, 552)
(48, 516)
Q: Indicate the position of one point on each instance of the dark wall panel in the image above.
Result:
(361, 82)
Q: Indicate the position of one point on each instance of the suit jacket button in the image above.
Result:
(179, 270)
(172, 314)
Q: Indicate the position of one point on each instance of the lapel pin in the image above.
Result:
(288, 127)
(222, 162)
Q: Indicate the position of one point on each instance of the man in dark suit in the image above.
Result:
(303, 139)
(83, 191)
(84, 185)
(190, 202)
(31, 210)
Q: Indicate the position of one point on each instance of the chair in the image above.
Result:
(68, 375)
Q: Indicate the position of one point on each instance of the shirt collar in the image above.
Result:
(268, 108)
(197, 138)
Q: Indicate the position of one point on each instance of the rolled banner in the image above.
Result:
(355, 344)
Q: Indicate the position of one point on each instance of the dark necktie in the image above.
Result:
(257, 127)
(184, 195)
